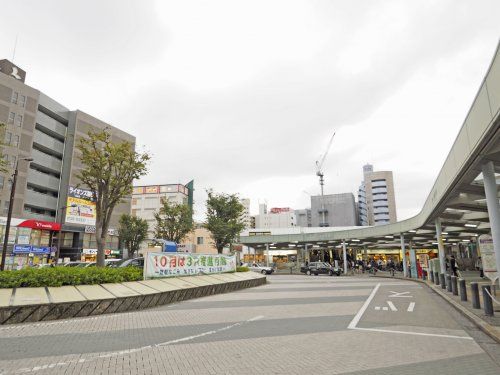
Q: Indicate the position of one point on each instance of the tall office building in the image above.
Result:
(376, 199)
(333, 210)
(245, 217)
(38, 127)
(146, 200)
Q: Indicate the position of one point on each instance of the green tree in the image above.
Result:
(224, 218)
(109, 169)
(173, 221)
(132, 231)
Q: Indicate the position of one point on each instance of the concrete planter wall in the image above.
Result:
(20, 305)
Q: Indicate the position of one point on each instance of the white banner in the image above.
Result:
(175, 264)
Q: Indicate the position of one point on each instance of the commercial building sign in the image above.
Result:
(30, 249)
(487, 250)
(81, 207)
(167, 265)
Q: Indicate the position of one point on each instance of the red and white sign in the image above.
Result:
(31, 223)
(278, 210)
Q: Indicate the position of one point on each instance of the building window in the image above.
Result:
(6, 207)
(2, 179)
(134, 201)
(14, 97)
(8, 138)
(15, 141)
(19, 120)
(22, 100)
(199, 240)
(13, 161)
(12, 116)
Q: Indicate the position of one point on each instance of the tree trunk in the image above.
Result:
(100, 251)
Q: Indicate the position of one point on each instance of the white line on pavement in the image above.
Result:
(360, 313)
(391, 305)
(411, 307)
(129, 351)
(413, 333)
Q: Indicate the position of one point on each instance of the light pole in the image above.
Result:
(59, 236)
(9, 214)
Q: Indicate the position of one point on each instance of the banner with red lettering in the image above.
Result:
(175, 264)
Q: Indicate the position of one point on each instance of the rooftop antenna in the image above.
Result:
(15, 46)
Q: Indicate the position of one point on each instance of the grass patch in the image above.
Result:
(242, 269)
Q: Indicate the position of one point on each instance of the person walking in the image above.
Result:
(453, 265)
(479, 267)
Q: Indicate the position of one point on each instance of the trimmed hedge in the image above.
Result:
(242, 269)
(59, 276)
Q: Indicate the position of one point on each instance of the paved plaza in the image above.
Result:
(293, 325)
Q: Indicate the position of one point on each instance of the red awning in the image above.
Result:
(39, 224)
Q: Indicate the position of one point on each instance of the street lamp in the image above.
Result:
(59, 237)
(9, 214)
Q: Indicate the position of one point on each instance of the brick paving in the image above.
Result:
(293, 325)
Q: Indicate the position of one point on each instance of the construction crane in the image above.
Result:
(320, 174)
(319, 164)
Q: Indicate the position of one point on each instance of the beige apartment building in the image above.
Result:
(198, 241)
(376, 198)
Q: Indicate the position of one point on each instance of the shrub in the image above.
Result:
(59, 276)
(242, 269)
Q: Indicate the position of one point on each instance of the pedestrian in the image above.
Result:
(479, 267)
(453, 265)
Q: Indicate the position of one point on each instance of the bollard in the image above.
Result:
(487, 301)
(436, 278)
(474, 290)
(441, 281)
(454, 286)
(431, 275)
(463, 290)
(448, 283)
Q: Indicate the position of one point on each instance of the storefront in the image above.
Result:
(90, 255)
(29, 242)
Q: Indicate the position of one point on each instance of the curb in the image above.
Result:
(487, 328)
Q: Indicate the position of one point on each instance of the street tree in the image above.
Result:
(132, 231)
(109, 169)
(173, 221)
(224, 218)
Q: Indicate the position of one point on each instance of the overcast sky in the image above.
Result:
(242, 96)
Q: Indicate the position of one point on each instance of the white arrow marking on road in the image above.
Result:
(399, 295)
(391, 305)
(411, 307)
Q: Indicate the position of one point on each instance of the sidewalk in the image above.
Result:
(489, 324)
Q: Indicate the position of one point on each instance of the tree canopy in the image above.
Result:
(132, 231)
(173, 221)
(109, 169)
(224, 218)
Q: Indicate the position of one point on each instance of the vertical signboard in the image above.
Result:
(487, 250)
(80, 207)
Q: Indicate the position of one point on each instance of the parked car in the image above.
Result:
(72, 264)
(317, 268)
(262, 269)
(133, 262)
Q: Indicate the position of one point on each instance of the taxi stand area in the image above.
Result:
(463, 203)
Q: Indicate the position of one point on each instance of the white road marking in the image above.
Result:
(413, 333)
(391, 305)
(128, 351)
(361, 311)
(399, 294)
(411, 307)
(377, 307)
(385, 308)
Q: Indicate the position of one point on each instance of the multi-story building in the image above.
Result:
(39, 128)
(304, 217)
(198, 241)
(146, 200)
(277, 217)
(333, 210)
(245, 217)
(376, 198)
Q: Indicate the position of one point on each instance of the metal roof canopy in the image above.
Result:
(457, 196)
